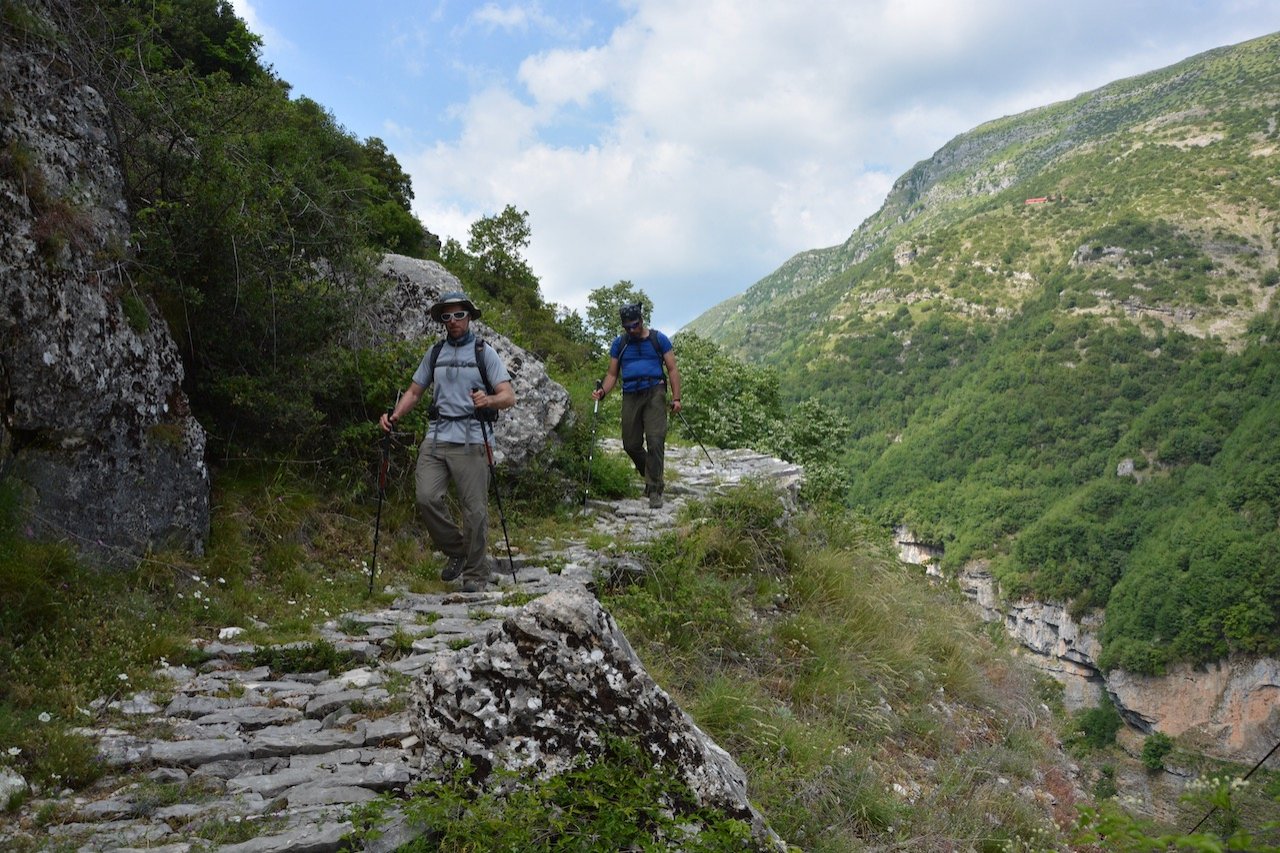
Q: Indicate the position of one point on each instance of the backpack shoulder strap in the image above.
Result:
(431, 361)
(484, 373)
(662, 363)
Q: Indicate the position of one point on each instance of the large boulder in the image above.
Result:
(401, 315)
(548, 686)
(95, 426)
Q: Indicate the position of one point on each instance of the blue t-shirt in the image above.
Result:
(639, 364)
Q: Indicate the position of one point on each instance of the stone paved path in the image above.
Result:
(284, 756)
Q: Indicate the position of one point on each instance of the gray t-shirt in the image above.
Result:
(456, 374)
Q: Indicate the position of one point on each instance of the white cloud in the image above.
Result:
(734, 133)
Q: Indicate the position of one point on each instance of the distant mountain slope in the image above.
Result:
(1205, 128)
(1056, 343)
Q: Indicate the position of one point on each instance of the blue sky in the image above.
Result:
(692, 146)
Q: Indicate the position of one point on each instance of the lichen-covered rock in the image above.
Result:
(549, 685)
(413, 285)
(95, 425)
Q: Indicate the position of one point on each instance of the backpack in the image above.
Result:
(483, 414)
(653, 339)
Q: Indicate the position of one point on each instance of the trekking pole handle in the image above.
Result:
(599, 387)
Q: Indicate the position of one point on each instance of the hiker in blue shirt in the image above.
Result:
(454, 448)
(639, 356)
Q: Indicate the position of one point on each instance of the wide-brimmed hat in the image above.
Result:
(455, 297)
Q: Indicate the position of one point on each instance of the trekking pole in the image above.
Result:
(497, 492)
(591, 452)
(383, 467)
(695, 436)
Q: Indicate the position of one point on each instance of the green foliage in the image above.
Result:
(1109, 826)
(808, 433)
(1096, 728)
(302, 657)
(726, 402)
(614, 800)
(1154, 749)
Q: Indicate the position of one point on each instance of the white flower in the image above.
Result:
(124, 676)
(44, 717)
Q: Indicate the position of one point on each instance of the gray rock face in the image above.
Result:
(541, 404)
(95, 424)
(549, 685)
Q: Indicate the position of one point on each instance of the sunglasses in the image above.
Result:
(630, 326)
(445, 316)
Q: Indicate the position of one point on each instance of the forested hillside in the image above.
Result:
(1056, 347)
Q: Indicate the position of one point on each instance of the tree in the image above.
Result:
(498, 242)
(602, 310)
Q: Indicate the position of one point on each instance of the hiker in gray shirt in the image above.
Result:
(465, 390)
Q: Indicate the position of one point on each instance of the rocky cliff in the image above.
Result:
(1229, 709)
(95, 427)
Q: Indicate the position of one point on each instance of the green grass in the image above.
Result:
(866, 707)
(832, 673)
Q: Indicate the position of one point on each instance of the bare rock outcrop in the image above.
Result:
(549, 685)
(401, 315)
(94, 426)
(1228, 708)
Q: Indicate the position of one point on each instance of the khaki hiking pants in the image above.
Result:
(644, 434)
(467, 465)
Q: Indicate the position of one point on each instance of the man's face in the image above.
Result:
(635, 328)
(456, 319)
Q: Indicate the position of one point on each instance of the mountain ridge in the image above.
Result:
(986, 160)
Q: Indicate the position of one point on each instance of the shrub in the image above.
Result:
(1095, 728)
(1154, 749)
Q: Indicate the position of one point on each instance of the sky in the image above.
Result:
(692, 146)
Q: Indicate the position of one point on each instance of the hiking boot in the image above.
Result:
(655, 500)
(475, 585)
(452, 568)
(479, 577)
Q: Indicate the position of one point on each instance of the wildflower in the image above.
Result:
(124, 676)
(15, 751)
(44, 717)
